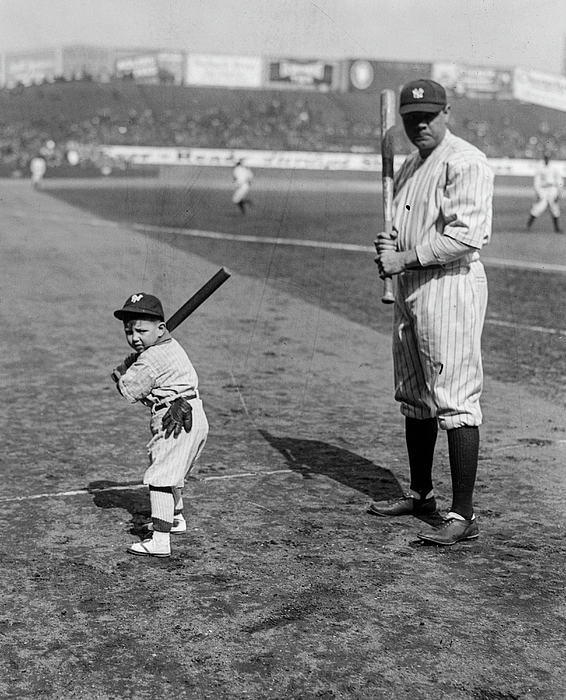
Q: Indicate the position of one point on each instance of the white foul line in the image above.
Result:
(86, 492)
(328, 245)
(522, 326)
(272, 240)
(544, 267)
(255, 239)
(525, 265)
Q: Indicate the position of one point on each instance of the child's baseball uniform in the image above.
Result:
(158, 374)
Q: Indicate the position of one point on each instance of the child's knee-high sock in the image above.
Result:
(162, 506)
(178, 500)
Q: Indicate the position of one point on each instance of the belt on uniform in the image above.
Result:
(423, 268)
(168, 402)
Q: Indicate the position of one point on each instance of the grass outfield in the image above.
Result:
(344, 209)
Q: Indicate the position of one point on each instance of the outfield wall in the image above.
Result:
(290, 160)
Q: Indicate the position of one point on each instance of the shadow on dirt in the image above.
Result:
(315, 457)
(113, 494)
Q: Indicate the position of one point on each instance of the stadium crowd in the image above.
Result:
(287, 121)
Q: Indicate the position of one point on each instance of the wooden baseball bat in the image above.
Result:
(198, 298)
(387, 170)
(189, 306)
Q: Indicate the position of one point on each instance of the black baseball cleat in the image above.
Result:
(404, 505)
(451, 531)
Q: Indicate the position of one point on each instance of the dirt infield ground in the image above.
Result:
(283, 588)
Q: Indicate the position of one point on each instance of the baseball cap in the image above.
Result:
(141, 303)
(422, 96)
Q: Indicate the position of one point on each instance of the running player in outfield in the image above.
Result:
(442, 218)
(243, 177)
(549, 185)
(160, 375)
(38, 166)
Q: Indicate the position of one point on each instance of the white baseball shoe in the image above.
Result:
(151, 548)
(179, 525)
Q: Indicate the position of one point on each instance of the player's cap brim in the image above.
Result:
(123, 314)
(427, 107)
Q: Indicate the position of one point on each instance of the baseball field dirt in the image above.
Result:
(283, 587)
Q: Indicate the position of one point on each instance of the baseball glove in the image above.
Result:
(179, 417)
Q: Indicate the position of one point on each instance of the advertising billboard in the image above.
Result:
(363, 75)
(474, 81)
(301, 74)
(224, 71)
(140, 67)
(171, 67)
(545, 89)
(31, 68)
(80, 61)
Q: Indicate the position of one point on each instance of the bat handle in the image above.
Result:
(388, 294)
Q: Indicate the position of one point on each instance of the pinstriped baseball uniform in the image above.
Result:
(548, 184)
(160, 374)
(243, 177)
(440, 310)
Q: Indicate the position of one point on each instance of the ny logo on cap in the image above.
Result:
(418, 93)
(135, 298)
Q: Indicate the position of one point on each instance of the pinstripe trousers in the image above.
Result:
(172, 459)
(439, 317)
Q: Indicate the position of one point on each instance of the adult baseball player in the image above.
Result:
(160, 375)
(442, 213)
(38, 166)
(243, 177)
(548, 184)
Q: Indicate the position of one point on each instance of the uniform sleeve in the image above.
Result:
(127, 362)
(467, 202)
(442, 250)
(138, 381)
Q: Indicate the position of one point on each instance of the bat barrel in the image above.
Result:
(198, 298)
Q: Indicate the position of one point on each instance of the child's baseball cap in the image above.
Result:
(422, 96)
(141, 303)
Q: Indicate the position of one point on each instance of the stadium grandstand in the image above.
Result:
(78, 99)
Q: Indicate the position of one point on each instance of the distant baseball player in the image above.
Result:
(442, 214)
(38, 166)
(160, 375)
(548, 185)
(243, 177)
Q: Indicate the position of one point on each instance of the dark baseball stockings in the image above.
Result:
(420, 436)
(463, 450)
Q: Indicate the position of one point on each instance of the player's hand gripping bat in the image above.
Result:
(387, 154)
(207, 289)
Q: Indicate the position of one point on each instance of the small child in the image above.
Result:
(160, 375)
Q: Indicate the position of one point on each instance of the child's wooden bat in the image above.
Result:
(189, 306)
(198, 298)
